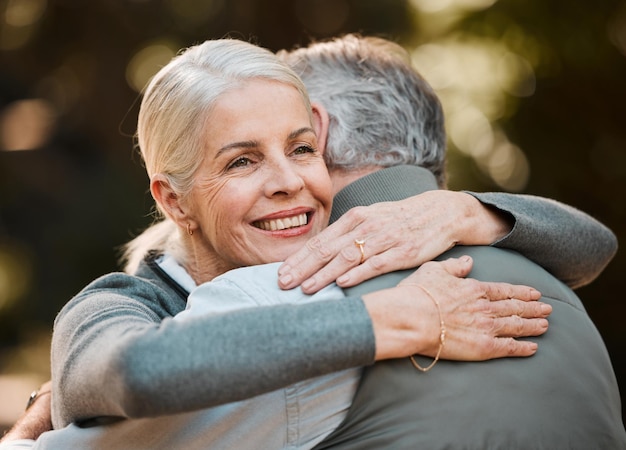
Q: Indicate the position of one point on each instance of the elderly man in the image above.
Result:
(565, 396)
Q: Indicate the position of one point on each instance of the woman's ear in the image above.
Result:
(168, 200)
(320, 125)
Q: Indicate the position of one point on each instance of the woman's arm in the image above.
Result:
(410, 318)
(115, 353)
(570, 244)
(399, 235)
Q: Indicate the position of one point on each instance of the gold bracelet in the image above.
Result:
(34, 396)
(442, 335)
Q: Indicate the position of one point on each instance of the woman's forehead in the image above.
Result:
(260, 100)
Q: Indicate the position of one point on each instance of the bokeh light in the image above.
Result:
(15, 273)
(616, 29)
(26, 124)
(478, 79)
(323, 17)
(19, 18)
(146, 62)
(436, 6)
(506, 164)
(193, 13)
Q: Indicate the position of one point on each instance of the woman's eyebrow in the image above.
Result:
(299, 131)
(239, 144)
(252, 144)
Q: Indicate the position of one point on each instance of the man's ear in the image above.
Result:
(320, 125)
(169, 201)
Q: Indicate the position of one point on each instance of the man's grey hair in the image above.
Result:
(382, 112)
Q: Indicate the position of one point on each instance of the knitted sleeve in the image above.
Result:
(117, 352)
(570, 244)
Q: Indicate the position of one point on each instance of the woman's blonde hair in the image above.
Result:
(178, 99)
(174, 110)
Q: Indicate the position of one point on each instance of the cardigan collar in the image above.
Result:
(384, 185)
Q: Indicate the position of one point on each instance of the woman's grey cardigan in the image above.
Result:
(116, 352)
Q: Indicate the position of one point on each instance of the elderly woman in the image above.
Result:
(230, 144)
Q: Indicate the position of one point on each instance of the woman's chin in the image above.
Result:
(281, 254)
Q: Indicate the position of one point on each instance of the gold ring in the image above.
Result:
(360, 243)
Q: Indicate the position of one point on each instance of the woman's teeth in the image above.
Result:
(282, 224)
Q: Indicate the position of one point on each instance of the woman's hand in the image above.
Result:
(481, 319)
(398, 235)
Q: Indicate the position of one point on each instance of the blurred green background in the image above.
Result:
(534, 93)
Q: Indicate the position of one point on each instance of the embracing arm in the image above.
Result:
(116, 353)
(570, 244)
(33, 422)
(406, 233)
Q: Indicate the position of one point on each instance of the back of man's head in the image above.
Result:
(382, 112)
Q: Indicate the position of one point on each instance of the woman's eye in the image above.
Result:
(304, 149)
(240, 162)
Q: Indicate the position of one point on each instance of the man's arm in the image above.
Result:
(35, 421)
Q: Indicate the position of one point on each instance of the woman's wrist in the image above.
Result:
(400, 319)
(481, 224)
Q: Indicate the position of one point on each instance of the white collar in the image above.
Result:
(176, 271)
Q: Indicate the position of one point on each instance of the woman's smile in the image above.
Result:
(282, 223)
(262, 190)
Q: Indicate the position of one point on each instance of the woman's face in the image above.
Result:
(262, 189)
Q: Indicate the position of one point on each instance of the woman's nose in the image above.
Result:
(283, 178)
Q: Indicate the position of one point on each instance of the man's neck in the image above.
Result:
(384, 185)
(341, 178)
